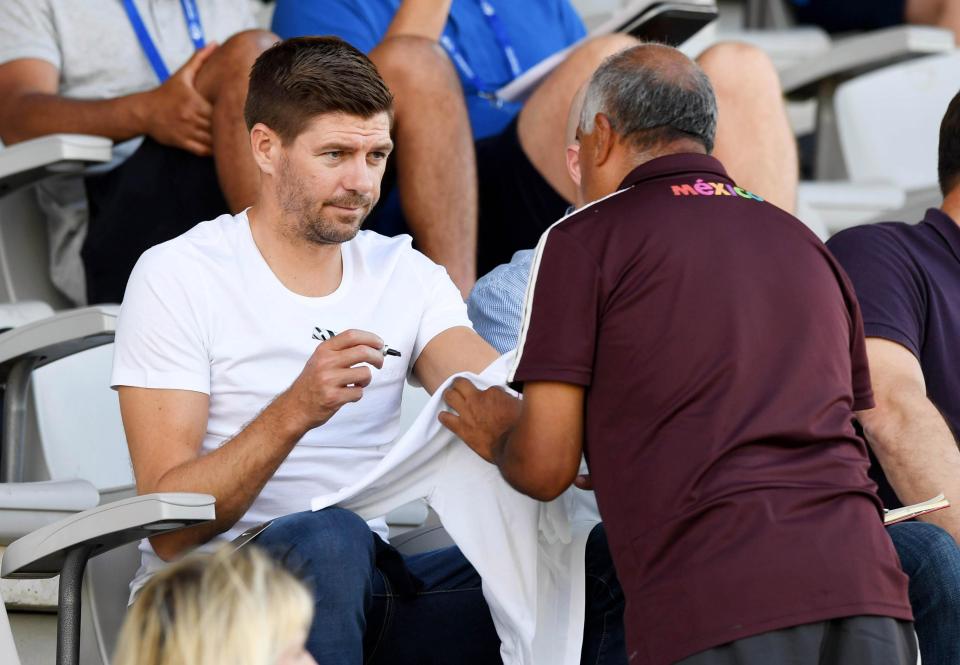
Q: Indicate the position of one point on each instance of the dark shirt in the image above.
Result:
(907, 279)
(723, 355)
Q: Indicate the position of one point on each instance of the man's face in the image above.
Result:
(328, 178)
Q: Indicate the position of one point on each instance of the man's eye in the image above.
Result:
(333, 154)
(378, 156)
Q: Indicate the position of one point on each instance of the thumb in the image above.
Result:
(583, 482)
(193, 65)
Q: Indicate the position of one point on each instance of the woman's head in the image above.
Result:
(239, 607)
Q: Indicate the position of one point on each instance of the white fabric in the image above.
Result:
(204, 312)
(98, 56)
(530, 555)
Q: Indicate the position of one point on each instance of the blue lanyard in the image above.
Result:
(496, 25)
(194, 28)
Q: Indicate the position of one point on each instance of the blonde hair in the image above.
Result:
(229, 607)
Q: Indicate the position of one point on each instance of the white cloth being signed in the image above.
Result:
(530, 555)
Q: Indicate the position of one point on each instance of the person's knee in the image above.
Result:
(593, 51)
(245, 47)
(414, 64)
(332, 538)
(739, 66)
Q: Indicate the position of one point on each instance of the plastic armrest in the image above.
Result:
(58, 336)
(42, 553)
(855, 55)
(26, 507)
(36, 159)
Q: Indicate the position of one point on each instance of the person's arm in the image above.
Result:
(457, 349)
(165, 430)
(911, 439)
(536, 443)
(420, 18)
(174, 113)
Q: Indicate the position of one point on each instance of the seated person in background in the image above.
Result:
(851, 15)
(907, 279)
(226, 608)
(711, 389)
(228, 388)
(172, 74)
(421, 47)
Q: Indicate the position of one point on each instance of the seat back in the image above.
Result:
(74, 428)
(889, 121)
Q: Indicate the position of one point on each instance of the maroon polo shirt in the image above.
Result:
(722, 352)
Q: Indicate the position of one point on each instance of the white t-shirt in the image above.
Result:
(204, 312)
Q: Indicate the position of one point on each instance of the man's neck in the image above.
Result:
(306, 268)
(951, 205)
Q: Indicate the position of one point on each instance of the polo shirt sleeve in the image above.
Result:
(561, 318)
(160, 341)
(353, 21)
(27, 31)
(888, 284)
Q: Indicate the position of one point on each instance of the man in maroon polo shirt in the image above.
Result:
(706, 353)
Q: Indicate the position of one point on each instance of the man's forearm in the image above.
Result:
(235, 473)
(420, 18)
(918, 453)
(37, 114)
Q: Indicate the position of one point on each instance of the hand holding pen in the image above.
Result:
(323, 335)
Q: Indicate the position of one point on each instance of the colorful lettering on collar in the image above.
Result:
(703, 188)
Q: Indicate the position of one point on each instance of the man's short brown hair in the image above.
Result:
(298, 79)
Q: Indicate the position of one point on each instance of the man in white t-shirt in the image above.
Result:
(165, 80)
(261, 357)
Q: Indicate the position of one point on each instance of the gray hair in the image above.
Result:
(648, 104)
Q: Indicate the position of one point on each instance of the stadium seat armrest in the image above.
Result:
(30, 161)
(26, 507)
(855, 55)
(54, 337)
(42, 553)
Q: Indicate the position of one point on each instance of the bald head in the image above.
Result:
(652, 95)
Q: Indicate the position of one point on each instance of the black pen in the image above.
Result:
(323, 335)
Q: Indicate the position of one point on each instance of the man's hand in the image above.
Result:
(331, 377)
(483, 418)
(176, 114)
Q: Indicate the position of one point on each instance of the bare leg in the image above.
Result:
(223, 81)
(436, 165)
(943, 13)
(543, 119)
(754, 140)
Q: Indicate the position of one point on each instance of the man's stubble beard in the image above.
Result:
(310, 223)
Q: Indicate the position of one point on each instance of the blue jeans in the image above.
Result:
(365, 612)
(930, 556)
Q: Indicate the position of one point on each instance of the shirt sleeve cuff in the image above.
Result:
(160, 380)
(886, 331)
(576, 376)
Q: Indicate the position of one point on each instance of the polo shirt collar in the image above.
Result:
(678, 164)
(946, 227)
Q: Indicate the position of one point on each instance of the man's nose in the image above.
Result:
(359, 177)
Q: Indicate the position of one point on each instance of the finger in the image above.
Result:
(201, 108)
(358, 376)
(454, 399)
(356, 355)
(349, 338)
(202, 121)
(352, 394)
(201, 136)
(464, 387)
(583, 482)
(197, 148)
(452, 422)
(196, 61)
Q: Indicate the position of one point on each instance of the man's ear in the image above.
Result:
(266, 147)
(573, 163)
(604, 139)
